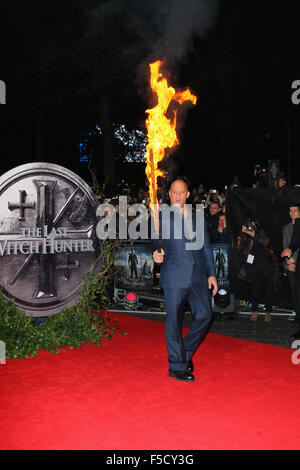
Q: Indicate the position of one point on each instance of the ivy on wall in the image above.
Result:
(87, 322)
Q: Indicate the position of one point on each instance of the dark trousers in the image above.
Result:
(220, 268)
(198, 297)
(262, 283)
(292, 282)
(133, 270)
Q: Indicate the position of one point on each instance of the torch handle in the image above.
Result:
(154, 197)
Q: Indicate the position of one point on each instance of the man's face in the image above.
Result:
(281, 183)
(294, 213)
(178, 193)
(214, 209)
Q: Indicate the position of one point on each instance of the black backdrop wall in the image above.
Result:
(270, 207)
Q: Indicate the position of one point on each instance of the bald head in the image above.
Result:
(182, 181)
(179, 193)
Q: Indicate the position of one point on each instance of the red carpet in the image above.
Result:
(120, 396)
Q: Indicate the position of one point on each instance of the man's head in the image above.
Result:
(282, 182)
(179, 193)
(115, 202)
(294, 211)
(214, 208)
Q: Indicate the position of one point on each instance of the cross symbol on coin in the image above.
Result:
(22, 205)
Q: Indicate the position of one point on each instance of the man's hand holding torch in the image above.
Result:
(158, 257)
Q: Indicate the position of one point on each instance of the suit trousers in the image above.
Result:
(292, 282)
(198, 297)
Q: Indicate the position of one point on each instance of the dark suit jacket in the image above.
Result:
(177, 268)
(287, 234)
(295, 242)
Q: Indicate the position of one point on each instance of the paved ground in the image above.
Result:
(237, 325)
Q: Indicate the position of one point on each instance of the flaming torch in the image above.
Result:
(161, 131)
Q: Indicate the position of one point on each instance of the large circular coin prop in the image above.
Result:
(47, 236)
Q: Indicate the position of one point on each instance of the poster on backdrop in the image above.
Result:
(221, 258)
(135, 269)
(134, 266)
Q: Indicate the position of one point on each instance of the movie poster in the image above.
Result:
(134, 266)
(220, 253)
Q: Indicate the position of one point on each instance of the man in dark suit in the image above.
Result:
(186, 276)
(290, 264)
(288, 252)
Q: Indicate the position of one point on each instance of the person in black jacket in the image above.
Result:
(290, 264)
(213, 221)
(259, 266)
(294, 245)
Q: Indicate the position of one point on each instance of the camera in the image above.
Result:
(213, 191)
(250, 227)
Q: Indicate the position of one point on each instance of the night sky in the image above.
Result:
(70, 65)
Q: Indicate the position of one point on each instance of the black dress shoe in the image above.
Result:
(296, 335)
(189, 365)
(182, 375)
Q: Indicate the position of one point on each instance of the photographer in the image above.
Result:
(258, 266)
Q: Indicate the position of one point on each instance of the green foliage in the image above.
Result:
(87, 322)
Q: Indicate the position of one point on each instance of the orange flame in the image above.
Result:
(161, 131)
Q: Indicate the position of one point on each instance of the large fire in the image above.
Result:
(161, 130)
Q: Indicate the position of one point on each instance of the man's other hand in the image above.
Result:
(212, 283)
(158, 257)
